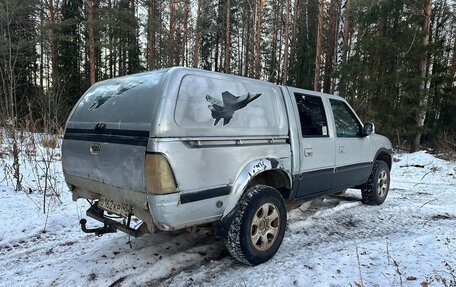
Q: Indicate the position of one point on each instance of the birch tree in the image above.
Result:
(421, 117)
(342, 39)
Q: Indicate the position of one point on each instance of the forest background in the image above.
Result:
(393, 60)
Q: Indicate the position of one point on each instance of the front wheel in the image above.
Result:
(258, 226)
(376, 189)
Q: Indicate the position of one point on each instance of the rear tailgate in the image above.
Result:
(107, 132)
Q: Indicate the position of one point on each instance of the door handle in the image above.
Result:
(341, 149)
(308, 152)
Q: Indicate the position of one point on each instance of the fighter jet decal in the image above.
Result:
(230, 103)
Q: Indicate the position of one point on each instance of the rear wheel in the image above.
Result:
(258, 226)
(375, 191)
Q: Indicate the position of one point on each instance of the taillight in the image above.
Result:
(158, 177)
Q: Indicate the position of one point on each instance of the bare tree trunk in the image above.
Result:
(258, 38)
(246, 44)
(219, 57)
(9, 81)
(285, 60)
(242, 62)
(238, 64)
(172, 28)
(48, 77)
(318, 48)
(344, 4)
(41, 44)
(197, 36)
(227, 37)
(421, 117)
(151, 23)
(453, 62)
(293, 40)
(280, 41)
(249, 40)
(53, 39)
(330, 46)
(346, 34)
(272, 68)
(185, 40)
(111, 46)
(91, 41)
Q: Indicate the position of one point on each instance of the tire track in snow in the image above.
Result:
(336, 219)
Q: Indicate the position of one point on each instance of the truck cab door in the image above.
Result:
(316, 144)
(353, 149)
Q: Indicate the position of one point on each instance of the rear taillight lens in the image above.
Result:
(158, 177)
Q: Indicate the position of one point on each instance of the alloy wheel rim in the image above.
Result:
(382, 183)
(265, 226)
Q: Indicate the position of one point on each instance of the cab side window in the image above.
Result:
(347, 125)
(312, 116)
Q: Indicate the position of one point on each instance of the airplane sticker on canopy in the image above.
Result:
(230, 103)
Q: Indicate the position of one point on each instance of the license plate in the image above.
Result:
(112, 206)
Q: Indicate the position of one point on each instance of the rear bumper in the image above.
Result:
(170, 214)
(165, 212)
(91, 189)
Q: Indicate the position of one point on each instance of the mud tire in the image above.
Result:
(239, 239)
(375, 191)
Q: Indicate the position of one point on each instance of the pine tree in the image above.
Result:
(133, 50)
(302, 60)
(69, 56)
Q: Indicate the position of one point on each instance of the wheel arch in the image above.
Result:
(276, 178)
(385, 155)
(266, 171)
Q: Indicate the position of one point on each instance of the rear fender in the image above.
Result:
(249, 171)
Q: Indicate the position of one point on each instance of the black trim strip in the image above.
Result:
(126, 137)
(205, 194)
(115, 132)
(353, 167)
(318, 171)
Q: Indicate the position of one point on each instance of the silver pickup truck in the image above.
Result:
(180, 148)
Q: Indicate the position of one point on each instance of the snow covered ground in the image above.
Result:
(410, 240)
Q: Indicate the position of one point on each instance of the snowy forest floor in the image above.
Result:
(410, 240)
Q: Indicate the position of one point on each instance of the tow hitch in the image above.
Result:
(109, 225)
(98, 231)
(96, 213)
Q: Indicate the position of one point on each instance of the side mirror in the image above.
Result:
(368, 129)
